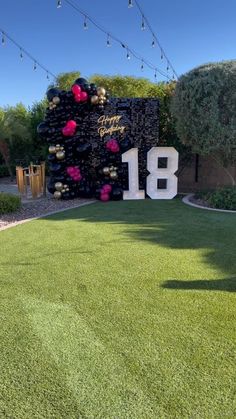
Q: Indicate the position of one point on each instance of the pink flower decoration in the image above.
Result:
(113, 146)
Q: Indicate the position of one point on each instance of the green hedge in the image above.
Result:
(224, 198)
(9, 203)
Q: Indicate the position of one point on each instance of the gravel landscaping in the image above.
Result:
(39, 208)
(34, 208)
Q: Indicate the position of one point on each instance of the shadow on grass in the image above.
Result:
(228, 284)
(171, 224)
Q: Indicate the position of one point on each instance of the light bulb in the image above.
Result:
(21, 55)
(59, 4)
(85, 23)
(143, 24)
(108, 41)
(35, 66)
(153, 43)
(130, 3)
(3, 38)
(128, 55)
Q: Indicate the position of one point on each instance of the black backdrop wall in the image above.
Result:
(87, 133)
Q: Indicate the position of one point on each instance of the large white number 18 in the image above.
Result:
(156, 173)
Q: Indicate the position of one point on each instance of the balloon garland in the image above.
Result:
(86, 140)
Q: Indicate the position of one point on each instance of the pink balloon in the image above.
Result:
(78, 97)
(106, 188)
(66, 132)
(71, 124)
(83, 96)
(104, 197)
(76, 89)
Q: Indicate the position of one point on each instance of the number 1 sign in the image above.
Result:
(156, 173)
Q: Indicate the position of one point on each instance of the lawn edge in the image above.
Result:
(45, 215)
(186, 200)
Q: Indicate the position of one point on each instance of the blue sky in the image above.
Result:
(191, 32)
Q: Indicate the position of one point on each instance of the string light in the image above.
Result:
(153, 43)
(146, 23)
(59, 4)
(85, 23)
(168, 67)
(143, 24)
(155, 75)
(130, 52)
(108, 40)
(130, 4)
(23, 52)
(142, 66)
(47, 76)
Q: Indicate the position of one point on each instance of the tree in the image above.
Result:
(14, 133)
(37, 115)
(204, 105)
(64, 81)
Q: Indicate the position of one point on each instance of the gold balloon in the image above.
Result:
(65, 186)
(56, 100)
(113, 175)
(61, 148)
(52, 149)
(58, 147)
(63, 190)
(58, 186)
(101, 91)
(101, 101)
(57, 194)
(106, 170)
(67, 189)
(60, 155)
(94, 100)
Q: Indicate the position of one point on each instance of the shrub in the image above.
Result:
(224, 198)
(4, 172)
(9, 203)
(204, 105)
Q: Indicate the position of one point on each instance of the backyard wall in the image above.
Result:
(204, 173)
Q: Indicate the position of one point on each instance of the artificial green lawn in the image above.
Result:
(119, 310)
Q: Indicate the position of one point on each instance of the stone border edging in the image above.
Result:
(45, 215)
(186, 201)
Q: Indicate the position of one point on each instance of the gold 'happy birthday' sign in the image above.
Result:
(109, 125)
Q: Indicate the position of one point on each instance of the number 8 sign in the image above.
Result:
(156, 173)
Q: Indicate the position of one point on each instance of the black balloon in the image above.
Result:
(42, 130)
(84, 149)
(51, 93)
(116, 194)
(81, 82)
(55, 167)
